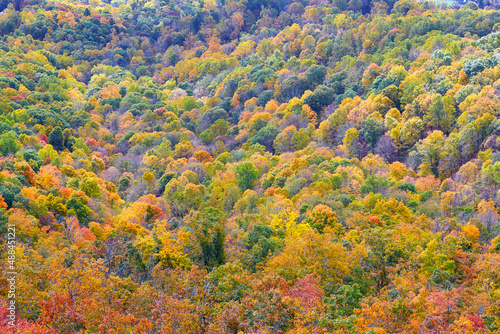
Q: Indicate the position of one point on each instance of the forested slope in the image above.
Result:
(251, 166)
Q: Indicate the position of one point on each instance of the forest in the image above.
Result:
(250, 166)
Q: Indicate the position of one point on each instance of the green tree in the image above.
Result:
(32, 158)
(316, 74)
(210, 234)
(3, 222)
(189, 103)
(321, 97)
(90, 187)
(10, 191)
(491, 173)
(47, 152)
(78, 207)
(246, 174)
(293, 87)
(260, 242)
(56, 139)
(9, 143)
(440, 114)
(411, 131)
(431, 149)
(264, 97)
(265, 136)
(300, 139)
(372, 129)
(69, 140)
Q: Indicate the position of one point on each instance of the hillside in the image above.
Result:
(250, 166)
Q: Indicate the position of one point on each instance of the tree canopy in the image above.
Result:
(250, 166)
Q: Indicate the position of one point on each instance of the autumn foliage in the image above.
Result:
(251, 166)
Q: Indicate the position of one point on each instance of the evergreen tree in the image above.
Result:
(56, 139)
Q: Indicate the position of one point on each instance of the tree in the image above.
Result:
(300, 139)
(246, 175)
(189, 103)
(372, 129)
(90, 187)
(282, 142)
(316, 74)
(48, 152)
(149, 178)
(311, 252)
(32, 158)
(10, 192)
(385, 148)
(264, 97)
(9, 143)
(321, 97)
(476, 66)
(78, 206)
(210, 234)
(431, 149)
(293, 87)
(408, 134)
(440, 114)
(322, 217)
(491, 173)
(342, 303)
(265, 136)
(56, 139)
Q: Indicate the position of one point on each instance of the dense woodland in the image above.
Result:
(251, 166)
